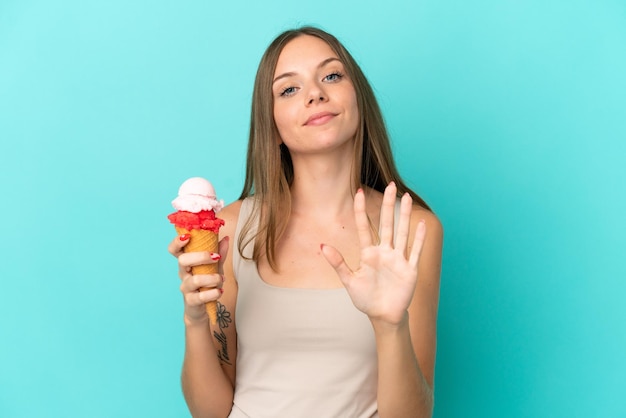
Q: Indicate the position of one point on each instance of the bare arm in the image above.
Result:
(208, 374)
(397, 286)
(406, 352)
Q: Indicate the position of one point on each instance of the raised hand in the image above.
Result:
(383, 285)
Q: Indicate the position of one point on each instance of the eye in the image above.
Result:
(333, 77)
(287, 91)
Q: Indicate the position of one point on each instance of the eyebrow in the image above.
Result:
(321, 64)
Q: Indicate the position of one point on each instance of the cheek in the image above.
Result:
(350, 101)
(282, 118)
(354, 110)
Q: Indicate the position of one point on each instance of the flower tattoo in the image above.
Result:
(223, 316)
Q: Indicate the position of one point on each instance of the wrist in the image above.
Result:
(192, 323)
(384, 327)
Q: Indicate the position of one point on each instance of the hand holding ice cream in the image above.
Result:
(196, 206)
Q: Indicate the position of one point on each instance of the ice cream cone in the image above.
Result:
(203, 240)
(196, 207)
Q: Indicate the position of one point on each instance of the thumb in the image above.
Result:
(335, 259)
(223, 252)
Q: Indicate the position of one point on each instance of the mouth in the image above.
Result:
(319, 118)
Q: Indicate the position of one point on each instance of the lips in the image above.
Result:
(319, 118)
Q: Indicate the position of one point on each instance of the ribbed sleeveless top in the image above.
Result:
(300, 352)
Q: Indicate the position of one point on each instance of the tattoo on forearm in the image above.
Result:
(223, 320)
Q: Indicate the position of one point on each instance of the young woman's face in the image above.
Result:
(315, 107)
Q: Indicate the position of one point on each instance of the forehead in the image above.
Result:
(302, 52)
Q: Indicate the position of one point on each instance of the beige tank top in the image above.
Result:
(300, 352)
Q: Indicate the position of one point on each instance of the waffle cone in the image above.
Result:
(203, 240)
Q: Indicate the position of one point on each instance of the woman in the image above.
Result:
(328, 299)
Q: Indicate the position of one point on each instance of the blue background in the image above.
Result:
(506, 116)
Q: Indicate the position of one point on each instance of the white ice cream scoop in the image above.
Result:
(197, 194)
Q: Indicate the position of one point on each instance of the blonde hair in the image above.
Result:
(269, 170)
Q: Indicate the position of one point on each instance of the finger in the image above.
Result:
(198, 258)
(402, 233)
(418, 243)
(199, 281)
(218, 285)
(335, 259)
(200, 298)
(223, 252)
(360, 217)
(177, 244)
(183, 272)
(386, 215)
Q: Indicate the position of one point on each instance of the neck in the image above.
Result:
(322, 185)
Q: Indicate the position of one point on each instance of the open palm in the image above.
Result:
(383, 285)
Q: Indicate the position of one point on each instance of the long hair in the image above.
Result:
(269, 169)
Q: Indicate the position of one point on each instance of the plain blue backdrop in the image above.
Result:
(506, 116)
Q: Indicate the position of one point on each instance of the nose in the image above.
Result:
(316, 94)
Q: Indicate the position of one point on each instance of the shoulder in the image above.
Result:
(432, 249)
(434, 227)
(230, 215)
(231, 212)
